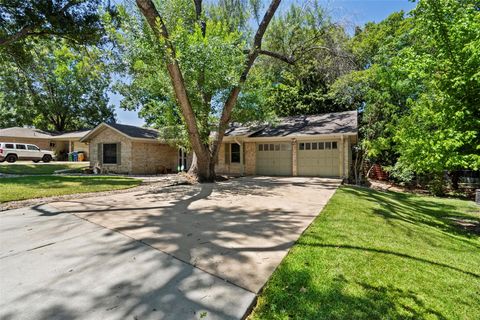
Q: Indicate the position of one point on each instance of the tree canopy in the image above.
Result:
(63, 88)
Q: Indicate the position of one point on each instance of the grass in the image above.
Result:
(35, 169)
(380, 255)
(23, 188)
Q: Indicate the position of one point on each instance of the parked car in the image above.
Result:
(12, 152)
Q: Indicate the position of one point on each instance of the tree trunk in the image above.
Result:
(202, 168)
(204, 165)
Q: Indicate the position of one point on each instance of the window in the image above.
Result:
(302, 146)
(260, 147)
(328, 145)
(314, 146)
(110, 153)
(272, 147)
(307, 146)
(21, 147)
(334, 145)
(277, 147)
(33, 148)
(265, 147)
(321, 146)
(9, 146)
(235, 153)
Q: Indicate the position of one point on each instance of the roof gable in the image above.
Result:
(131, 132)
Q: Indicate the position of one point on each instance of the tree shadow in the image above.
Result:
(413, 210)
(235, 232)
(294, 294)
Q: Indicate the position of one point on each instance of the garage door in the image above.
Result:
(321, 159)
(274, 159)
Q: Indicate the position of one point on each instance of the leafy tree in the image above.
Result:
(380, 89)
(76, 20)
(63, 88)
(441, 131)
(317, 54)
(207, 54)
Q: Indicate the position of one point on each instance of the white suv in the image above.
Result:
(12, 152)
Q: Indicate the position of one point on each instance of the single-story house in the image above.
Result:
(129, 149)
(60, 143)
(317, 145)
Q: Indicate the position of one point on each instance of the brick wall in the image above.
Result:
(110, 136)
(225, 167)
(153, 158)
(250, 158)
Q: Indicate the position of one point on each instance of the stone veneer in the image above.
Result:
(249, 158)
(111, 136)
(137, 157)
(153, 158)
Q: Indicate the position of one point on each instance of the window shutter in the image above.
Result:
(227, 153)
(100, 153)
(119, 153)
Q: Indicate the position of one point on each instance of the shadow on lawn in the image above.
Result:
(412, 209)
(292, 296)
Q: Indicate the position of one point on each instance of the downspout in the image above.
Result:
(242, 169)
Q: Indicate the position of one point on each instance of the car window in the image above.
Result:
(21, 146)
(9, 146)
(34, 148)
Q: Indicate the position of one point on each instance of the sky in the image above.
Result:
(350, 13)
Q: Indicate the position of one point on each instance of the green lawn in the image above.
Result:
(41, 168)
(380, 255)
(44, 186)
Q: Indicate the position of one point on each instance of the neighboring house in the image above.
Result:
(60, 143)
(318, 145)
(128, 149)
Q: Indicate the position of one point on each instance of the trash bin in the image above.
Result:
(81, 156)
(75, 156)
(70, 156)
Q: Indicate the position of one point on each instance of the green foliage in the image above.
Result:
(317, 49)
(211, 63)
(419, 88)
(77, 21)
(441, 131)
(61, 88)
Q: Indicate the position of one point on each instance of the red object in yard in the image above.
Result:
(377, 173)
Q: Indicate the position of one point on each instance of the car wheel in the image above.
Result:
(36, 161)
(11, 158)
(47, 158)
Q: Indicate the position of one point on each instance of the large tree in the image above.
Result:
(61, 88)
(208, 52)
(75, 20)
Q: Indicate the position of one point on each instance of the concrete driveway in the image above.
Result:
(183, 252)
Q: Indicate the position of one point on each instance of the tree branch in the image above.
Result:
(251, 57)
(154, 19)
(276, 55)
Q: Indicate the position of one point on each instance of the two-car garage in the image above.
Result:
(304, 145)
(314, 158)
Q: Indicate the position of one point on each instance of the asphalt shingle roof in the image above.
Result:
(327, 123)
(24, 133)
(136, 132)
